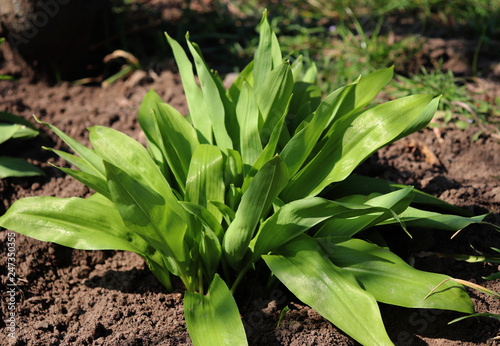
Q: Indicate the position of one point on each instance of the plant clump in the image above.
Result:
(259, 175)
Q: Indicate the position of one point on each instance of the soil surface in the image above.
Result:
(73, 297)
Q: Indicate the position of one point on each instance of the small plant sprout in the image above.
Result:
(256, 176)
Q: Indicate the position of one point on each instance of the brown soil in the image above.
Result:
(68, 296)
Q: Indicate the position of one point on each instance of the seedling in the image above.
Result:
(257, 175)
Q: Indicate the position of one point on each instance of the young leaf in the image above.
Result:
(213, 319)
(300, 264)
(264, 188)
(247, 113)
(214, 103)
(263, 55)
(194, 95)
(273, 98)
(150, 104)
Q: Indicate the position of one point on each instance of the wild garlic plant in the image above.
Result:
(261, 172)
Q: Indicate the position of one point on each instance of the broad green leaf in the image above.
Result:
(7, 131)
(247, 113)
(226, 212)
(86, 224)
(273, 98)
(306, 98)
(264, 54)
(206, 217)
(275, 50)
(333, 292)
(365, 90)
(208, 239)
(397, 201)
(233, 93)
(213, 319)
(311, 74)
(147, 213)
(299, 216)
(355, 138)
(205, 181)
(92, 159)
(267, 154)
(178, 140)
(358, 184)
(130, 156)
(16, 167)
(194, 95)
(213, 100)
(300, 146)
(150, 104)
(297, 67)
(233, 173)
(15, 119)
(256, 200)
(414, 217)
(391, 280)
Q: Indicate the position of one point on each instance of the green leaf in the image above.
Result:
(87, 224)
(194, 95)
(426, 219)
(149, 214)
(205, 180)
(215, 107)
(178, 141)
(484, 314)
(263, 189)
(397, 201)
(93, 160)
(273, 98)
(355, 138)
(206, 217)
(94, 182)
(16, 119)
(213, 319)
(7, 131)
(264, 54)
(298, 216)
(16, 167)
(149, 106)
(247, 113)
(358, 184)
(86, 174)
(233, 93)
(301, 145)
(130, 156)
(300, 265)
(391, 280)
(267, 154)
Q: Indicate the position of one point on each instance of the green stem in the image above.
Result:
(240, 277)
